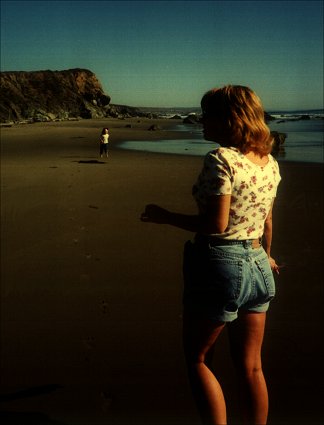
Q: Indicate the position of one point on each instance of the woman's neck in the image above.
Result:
(257, 158)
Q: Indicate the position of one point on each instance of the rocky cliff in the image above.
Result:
(55, 95)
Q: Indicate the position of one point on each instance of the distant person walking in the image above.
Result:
(104, 141)
(227, 272)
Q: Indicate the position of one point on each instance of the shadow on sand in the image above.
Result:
(90, 161)
(27, 418)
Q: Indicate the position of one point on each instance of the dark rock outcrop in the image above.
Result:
(154, 127)
(278, 141)
(124, 111)
(268, 117)
(55, 95)
(192, 119)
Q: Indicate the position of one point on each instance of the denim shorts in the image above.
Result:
(220, 280)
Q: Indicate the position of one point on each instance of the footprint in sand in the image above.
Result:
(104, 307)
(89, 342)
(106, 401)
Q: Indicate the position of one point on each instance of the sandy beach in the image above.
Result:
(91, 296)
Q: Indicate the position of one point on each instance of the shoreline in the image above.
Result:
(91, 296)
(134, 129)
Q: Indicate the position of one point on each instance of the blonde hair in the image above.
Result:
(241, 114)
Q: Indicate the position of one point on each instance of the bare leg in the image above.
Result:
(246, 337)
(199, 336)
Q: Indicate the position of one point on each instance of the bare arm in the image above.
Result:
(214, 220)
(268, 233)
(267, 236)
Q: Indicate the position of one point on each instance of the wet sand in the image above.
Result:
(91, 296)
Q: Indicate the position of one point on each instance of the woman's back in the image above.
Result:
(252, 188)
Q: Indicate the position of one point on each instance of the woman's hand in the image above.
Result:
(155, 214)
(274, 266)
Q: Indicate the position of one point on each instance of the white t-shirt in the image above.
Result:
(104, 138)
(252, 188)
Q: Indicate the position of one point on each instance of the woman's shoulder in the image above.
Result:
(221, 159)
(273, 161)
(223, 155)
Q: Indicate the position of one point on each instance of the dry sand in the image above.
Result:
(91, 296)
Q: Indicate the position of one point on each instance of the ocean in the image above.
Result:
(304, 142)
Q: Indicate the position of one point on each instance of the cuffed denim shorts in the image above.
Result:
(220, 280)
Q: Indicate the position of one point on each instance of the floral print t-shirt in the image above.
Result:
(252, 188)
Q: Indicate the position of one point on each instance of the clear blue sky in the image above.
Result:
(168, 53)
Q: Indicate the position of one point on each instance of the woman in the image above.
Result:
(227, 272)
